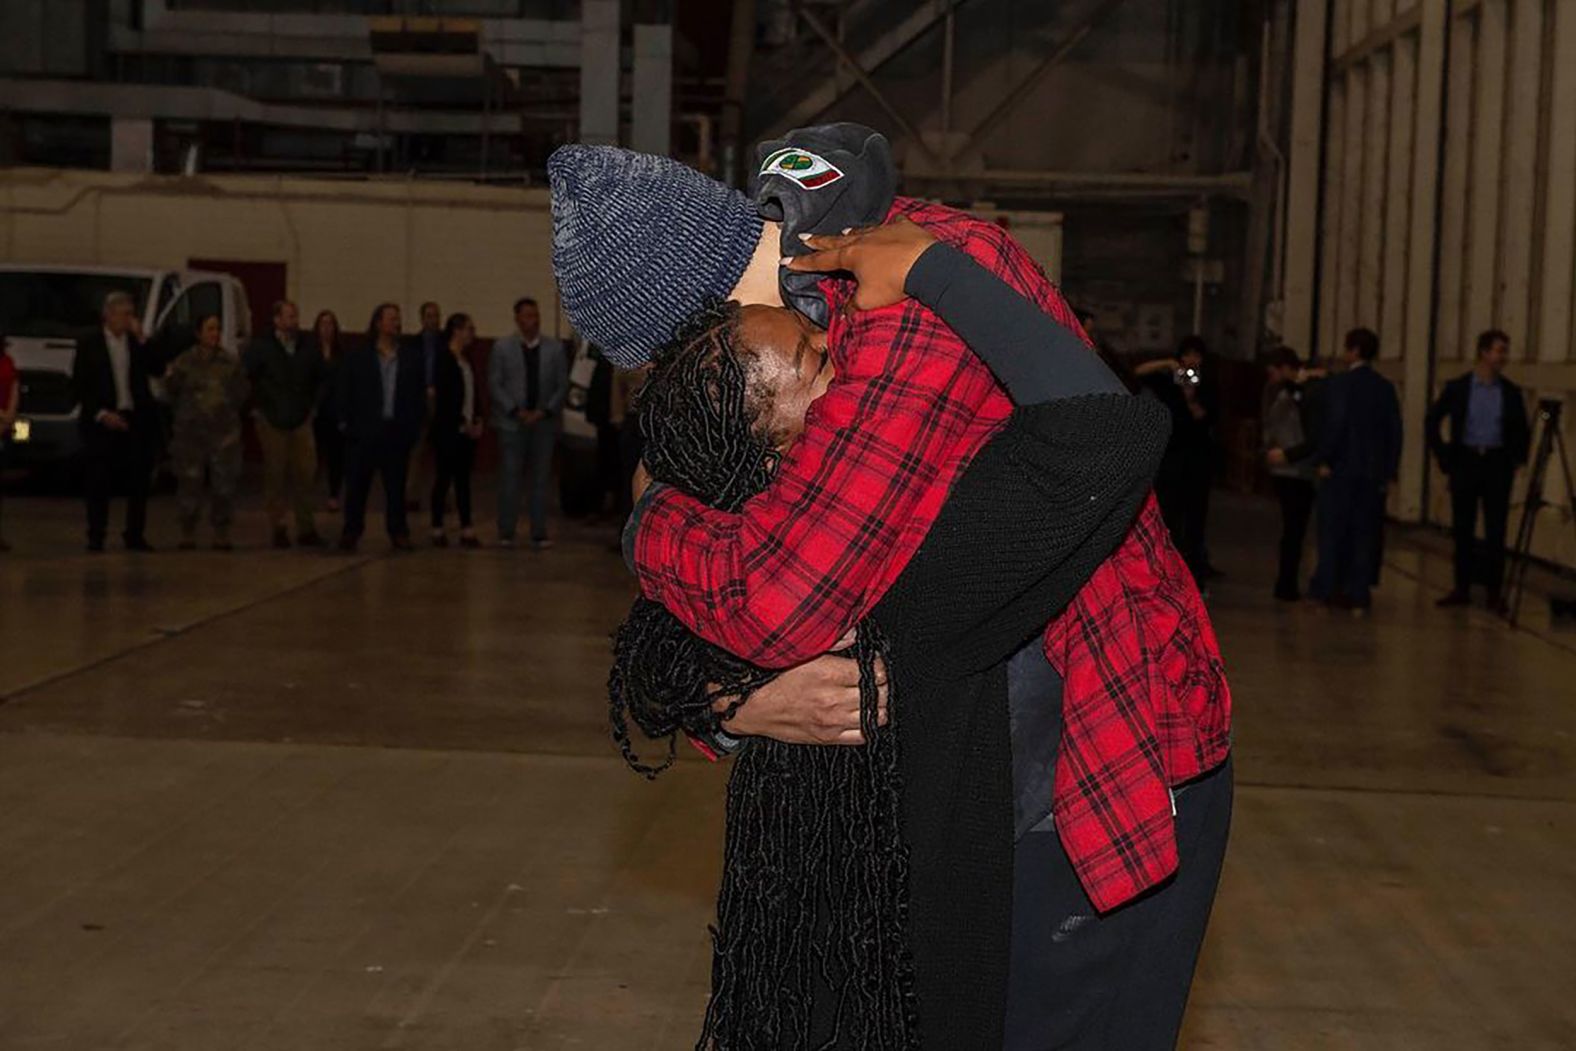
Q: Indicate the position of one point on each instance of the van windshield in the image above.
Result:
(54, 305)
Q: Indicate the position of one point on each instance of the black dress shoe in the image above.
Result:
(138, 544)
(1455, 598)
(223, 545)
(95, 547)
(309, 540)
(281, 537)
(469, 541)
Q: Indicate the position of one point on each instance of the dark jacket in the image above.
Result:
(328, 391)
(285, 386)
(361, 394)
(93, 381)
(1360, 436)
(448, 406)
(1453, 403)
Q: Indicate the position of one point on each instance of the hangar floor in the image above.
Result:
(276, 800)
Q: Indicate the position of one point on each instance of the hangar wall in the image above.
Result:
(347, 246)
(1439, 201)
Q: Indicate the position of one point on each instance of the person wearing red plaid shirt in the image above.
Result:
(1145, 709)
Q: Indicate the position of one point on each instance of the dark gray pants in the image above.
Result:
(1117, 982)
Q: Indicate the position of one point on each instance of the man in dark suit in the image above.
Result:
(1358, 457)
(118, 419)
(1489, 440)
(382, 404)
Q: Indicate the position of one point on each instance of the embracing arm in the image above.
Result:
(1034, 515)
(781, 581)
(1035, 357)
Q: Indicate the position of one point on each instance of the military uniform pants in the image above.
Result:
(211, 466)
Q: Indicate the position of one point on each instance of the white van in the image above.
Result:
(43, 309)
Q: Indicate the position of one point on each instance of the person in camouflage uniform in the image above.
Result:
(206, 387)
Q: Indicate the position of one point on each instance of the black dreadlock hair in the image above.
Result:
(810, 949)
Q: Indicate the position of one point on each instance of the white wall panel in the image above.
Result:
(1559, 227)
(1330, 224)
(1393, 276)
(1486, 186)
(1426, 51)
(1520, 163)
(1350, 188)
(1453, 210)
(1372, 225)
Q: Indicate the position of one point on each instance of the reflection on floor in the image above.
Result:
(282, 800)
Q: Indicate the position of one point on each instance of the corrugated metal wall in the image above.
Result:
(1448, 203)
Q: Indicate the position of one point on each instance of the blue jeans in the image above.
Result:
(525, 448)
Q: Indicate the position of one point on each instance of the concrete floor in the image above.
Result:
(294, 801)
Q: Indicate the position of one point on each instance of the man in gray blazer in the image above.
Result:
(528, 380)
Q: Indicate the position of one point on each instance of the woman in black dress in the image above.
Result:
(456, 428)
(325, 424)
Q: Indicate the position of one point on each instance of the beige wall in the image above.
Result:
(1505, 227)
(346, 245)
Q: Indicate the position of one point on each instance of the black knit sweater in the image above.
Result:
(1038, 509)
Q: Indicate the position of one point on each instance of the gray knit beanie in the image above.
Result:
(640, 242)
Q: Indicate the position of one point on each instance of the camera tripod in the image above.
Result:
(1550, 443)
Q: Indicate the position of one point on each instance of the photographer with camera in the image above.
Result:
(1185, 388)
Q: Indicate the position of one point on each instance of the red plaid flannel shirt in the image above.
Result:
(1145, 706)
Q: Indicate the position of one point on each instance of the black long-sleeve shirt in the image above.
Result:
(1037, 360)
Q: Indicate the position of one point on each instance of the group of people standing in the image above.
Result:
(1333, 444)
(321, 409)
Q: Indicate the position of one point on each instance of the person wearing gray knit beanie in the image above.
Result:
(640, 242)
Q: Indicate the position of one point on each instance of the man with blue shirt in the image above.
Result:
(1489, 440)
(528, 379)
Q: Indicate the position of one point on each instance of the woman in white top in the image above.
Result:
(456, 427)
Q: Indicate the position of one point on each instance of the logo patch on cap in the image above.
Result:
(810, 171)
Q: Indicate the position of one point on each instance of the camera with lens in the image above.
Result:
(1186, 377)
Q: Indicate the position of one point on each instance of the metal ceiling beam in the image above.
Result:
(1105, 184)
(831, 41)
(887, 46)
(1016, 96)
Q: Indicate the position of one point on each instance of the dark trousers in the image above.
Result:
(1296, 496)
(1182, 487)
(1351, 516)
(388, 455)
(330, 452)
(609, 466)
(3, 447)
(630, 446)
(117, 460)
(1480, 478)
(453, 457)
(1121, 980)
